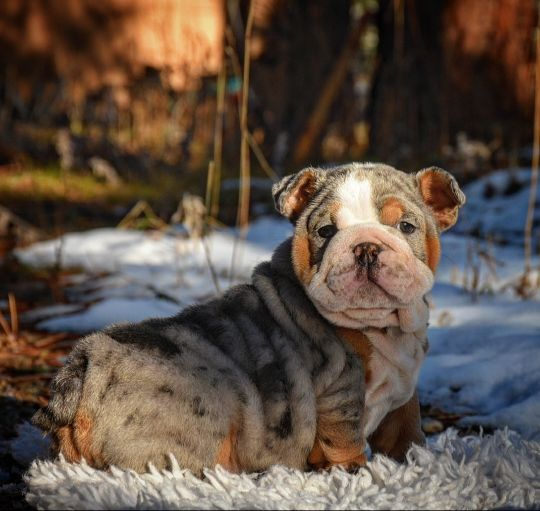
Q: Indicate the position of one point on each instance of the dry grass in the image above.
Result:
(28, 357)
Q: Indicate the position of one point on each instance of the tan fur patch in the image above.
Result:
(333, 209)
(316, 457)
(300, 196)
(398, 430)
(433, 252)
(66, 444)
(227, 455)
(75, 441)
(82, 434)
(438, 196)
(392, 211)
(361, 346)
(332, 447)
(301, 258)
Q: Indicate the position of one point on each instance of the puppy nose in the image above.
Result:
(366, 253)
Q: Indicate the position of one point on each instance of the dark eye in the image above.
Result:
(406, 227)
(327, 231)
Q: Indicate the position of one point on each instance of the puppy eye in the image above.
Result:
(406, 227)
(327, 231)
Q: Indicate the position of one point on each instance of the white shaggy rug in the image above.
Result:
(475, 472)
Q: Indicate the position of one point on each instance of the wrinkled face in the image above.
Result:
(367, 235)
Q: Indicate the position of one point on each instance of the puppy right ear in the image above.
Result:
(293, 193)
(442, 194)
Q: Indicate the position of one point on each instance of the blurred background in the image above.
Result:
(139, 140)
(103, 103)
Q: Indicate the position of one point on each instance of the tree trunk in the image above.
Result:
(295, 45)
(447, 67)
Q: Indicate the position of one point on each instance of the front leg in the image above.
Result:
(398, 431)
(340, 410)
(335, 445)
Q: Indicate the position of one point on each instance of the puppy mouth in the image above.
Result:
(369, 273)
(353, 279)
(358, 274)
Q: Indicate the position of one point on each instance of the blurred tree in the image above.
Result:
(451, 66)
(295, 46)
(129, 71)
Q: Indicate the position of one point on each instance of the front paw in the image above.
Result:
(351, 465)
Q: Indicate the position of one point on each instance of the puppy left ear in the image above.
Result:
(293, 192)
(442, 195)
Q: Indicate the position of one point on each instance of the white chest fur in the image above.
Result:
(393, 371)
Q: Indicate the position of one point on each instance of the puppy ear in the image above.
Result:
(442, 194)
(293, 192)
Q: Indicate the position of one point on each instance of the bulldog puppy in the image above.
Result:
(319, 353)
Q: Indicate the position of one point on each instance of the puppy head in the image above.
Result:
(367, 235)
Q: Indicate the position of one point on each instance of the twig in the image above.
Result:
(242, 218)
(245, 171)
(218, 140)
(142, 208)
(209, 188)
(213, 273)
(5, 325)
(263, 162)
(162, 294)
(50, 340)
(230, 51)
(14, 316)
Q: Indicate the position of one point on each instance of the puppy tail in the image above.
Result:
(66, 390)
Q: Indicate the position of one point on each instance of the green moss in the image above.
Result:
(52, 183)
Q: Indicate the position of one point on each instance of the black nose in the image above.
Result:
(366, 254)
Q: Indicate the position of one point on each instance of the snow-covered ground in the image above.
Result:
(484, 359)
(497, 205)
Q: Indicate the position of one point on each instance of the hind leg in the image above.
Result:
(74, 441)
(131, 403)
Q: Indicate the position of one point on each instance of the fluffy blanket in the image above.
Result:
(474, 472)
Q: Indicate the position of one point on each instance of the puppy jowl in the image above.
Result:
(318, 355)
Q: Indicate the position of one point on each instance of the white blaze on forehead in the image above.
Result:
(356, 203)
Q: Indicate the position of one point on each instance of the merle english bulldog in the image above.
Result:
(317, 355)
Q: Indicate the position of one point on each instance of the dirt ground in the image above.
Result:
(28, 360)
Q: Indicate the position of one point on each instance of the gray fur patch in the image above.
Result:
(257, 359)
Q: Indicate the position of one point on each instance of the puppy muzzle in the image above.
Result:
(369, 266)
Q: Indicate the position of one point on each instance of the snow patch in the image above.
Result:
(111, 311)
